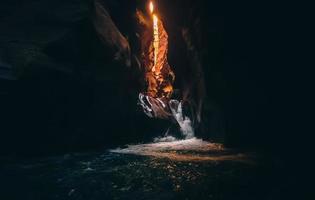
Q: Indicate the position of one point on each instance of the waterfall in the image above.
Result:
(184, 122)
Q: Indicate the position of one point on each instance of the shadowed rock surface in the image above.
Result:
(66, 79)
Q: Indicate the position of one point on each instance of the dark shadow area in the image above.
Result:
(66, 89)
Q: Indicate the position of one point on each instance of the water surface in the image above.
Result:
(165, 169)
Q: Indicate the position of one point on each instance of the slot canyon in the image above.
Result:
(143, 99)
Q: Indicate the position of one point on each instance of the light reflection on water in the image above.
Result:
(183, 150)
(165, 169)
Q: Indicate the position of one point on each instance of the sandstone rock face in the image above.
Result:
(65, 78)
(159, 77)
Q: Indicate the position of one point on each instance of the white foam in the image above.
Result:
(183, 121)
(182, 150)
(165, 139)
(192, 144)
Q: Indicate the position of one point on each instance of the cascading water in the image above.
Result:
(184, 122)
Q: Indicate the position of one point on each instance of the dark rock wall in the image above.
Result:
(65, 87)
(62, 88)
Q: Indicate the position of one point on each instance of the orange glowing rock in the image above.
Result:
(158, 74)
